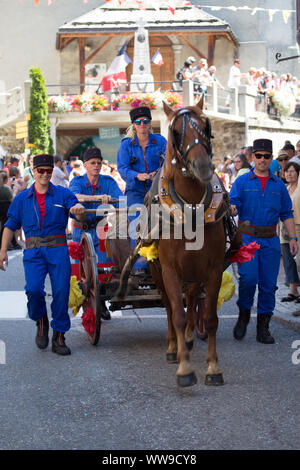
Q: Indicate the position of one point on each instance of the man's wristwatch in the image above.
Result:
(294, 238)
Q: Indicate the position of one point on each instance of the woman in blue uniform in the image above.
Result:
(140, 155)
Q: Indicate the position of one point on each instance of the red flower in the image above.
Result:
(245, 253)
(89, 321)
(76, 251)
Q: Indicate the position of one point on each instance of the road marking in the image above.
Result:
(13, 305)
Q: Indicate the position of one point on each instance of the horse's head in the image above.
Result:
(189, 143)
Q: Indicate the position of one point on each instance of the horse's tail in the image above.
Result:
(121, 291)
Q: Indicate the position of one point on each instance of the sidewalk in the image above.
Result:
(283, 312)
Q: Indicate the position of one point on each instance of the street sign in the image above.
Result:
(22, 130)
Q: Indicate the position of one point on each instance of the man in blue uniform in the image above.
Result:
(140, 155)
(100, 187)
(261, 198)
(42, 211)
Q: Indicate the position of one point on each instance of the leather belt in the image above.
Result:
(260, 231)
(87, 225)
(51, 241)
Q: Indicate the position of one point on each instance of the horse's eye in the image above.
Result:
(176, 137)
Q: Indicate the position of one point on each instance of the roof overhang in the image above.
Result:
(113, 19)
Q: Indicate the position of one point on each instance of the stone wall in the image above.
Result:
(229, 137)
(9, 141)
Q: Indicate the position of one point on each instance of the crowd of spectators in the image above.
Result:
(265, 83)
(16, 175)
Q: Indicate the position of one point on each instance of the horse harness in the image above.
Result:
(215, 198)
(205, 135)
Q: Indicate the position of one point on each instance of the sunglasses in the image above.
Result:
(138, 122)
(282, 159)
(266, 156)
(42, 171)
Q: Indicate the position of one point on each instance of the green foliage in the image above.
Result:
(39, 125)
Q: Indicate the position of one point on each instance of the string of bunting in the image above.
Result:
(172, 4)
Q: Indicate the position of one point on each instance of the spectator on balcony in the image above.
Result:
(235, 76)
(186, 71)
(212, 77)
(201, 77)
(251, 77)
(282, 85)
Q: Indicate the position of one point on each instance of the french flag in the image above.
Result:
(157, 58)
(116, 74)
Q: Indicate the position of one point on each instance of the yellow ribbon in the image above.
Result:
(76, 296)
(227, 289)
(149, 252)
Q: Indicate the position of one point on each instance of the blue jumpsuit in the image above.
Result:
(265, 210)
(106, 185)
(131, 161)
(38, 262)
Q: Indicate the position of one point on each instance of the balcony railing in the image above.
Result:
(11, 105)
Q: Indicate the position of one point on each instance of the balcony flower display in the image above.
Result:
(88, 102)
(85, 103)
(283, 101)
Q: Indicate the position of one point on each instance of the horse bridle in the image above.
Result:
(205, 135)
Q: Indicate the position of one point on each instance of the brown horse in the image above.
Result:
(188, 171)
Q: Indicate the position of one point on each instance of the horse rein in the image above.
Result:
(205, 135)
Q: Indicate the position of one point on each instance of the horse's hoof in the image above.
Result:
(172, 358)
(189, 345)
(187, 380)
(214, 379)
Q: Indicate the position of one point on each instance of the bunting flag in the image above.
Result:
(171, 5)
(157, 58)
(116, 74)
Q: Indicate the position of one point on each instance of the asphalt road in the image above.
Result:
(122, 395)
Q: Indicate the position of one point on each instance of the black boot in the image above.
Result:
(240, 328)
(263, 334)
(42, 339)
(58, 344)
(105, 313)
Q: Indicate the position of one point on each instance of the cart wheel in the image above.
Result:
(199, 322)
(91, 318)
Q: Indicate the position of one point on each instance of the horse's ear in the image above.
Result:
(168, 111)
(199, 101)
